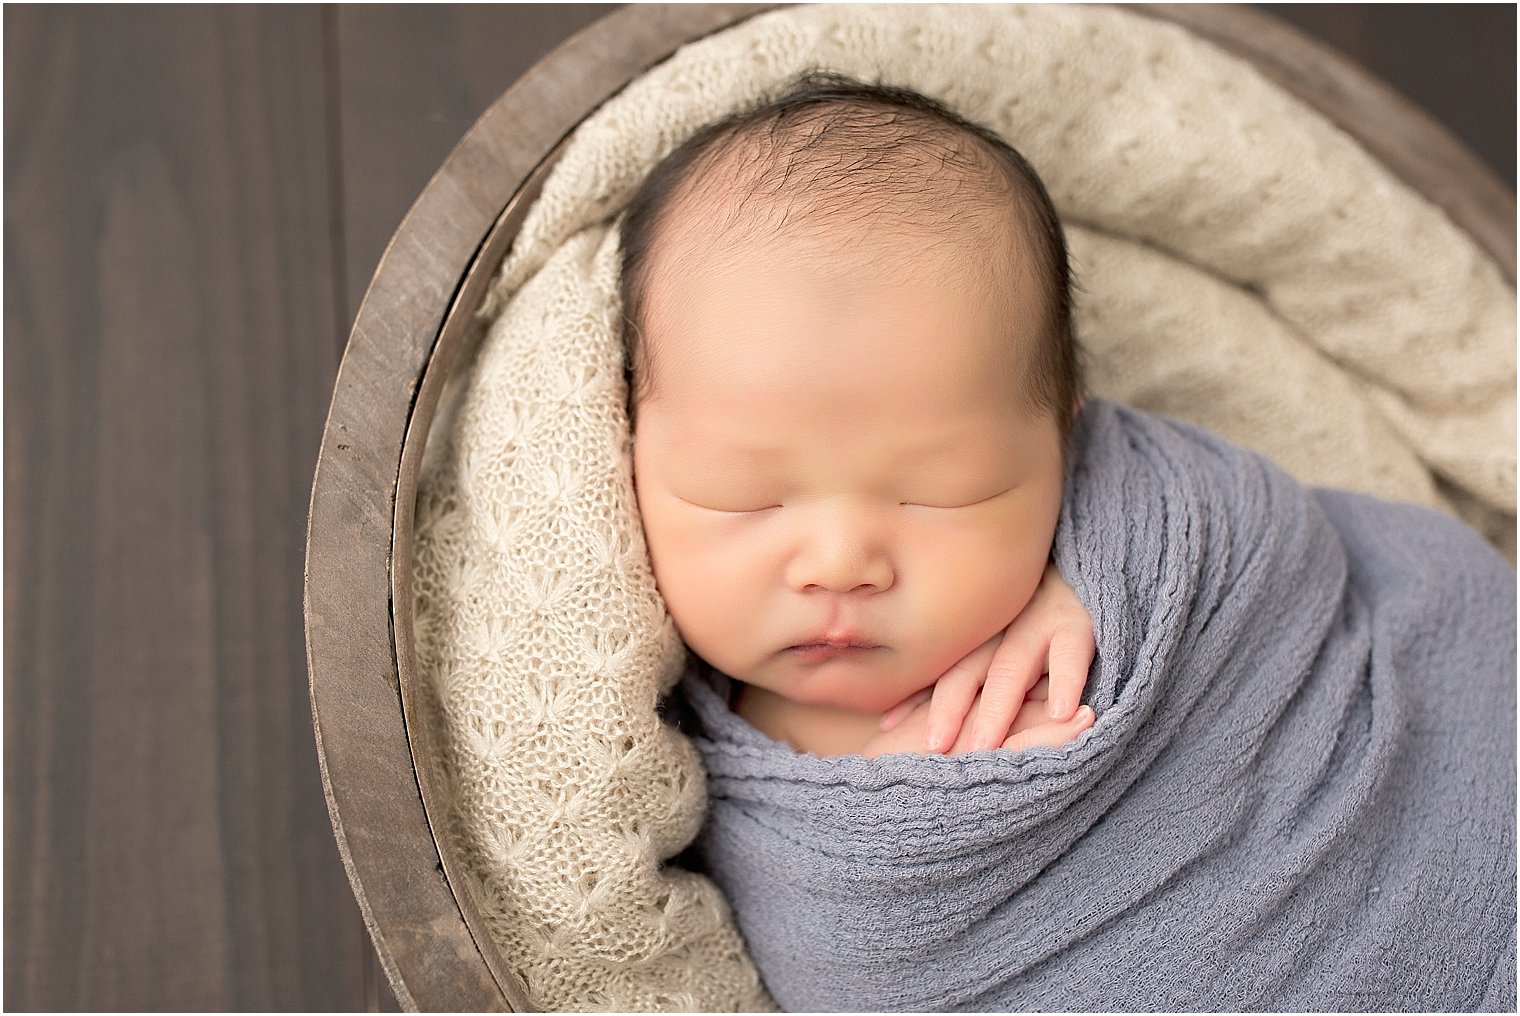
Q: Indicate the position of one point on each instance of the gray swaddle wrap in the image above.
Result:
(1299, 792)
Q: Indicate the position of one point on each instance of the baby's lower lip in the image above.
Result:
(817, 652)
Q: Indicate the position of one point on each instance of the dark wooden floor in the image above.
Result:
(194, 201)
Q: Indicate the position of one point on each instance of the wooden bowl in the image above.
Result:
(417, 317)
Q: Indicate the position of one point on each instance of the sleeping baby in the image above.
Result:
(850, 396)
(880, 514)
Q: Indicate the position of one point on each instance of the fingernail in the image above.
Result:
(1086, 714)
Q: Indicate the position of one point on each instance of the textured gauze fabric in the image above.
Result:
(1299, 793)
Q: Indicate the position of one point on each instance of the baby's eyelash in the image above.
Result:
(727, 511)
(951, 507)
(901, 504)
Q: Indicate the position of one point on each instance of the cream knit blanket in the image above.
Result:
(1242, 264)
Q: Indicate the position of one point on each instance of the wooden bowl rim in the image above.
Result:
(417, 323)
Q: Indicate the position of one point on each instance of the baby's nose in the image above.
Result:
(840, 562)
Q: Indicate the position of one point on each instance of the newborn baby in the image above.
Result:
(848, 316)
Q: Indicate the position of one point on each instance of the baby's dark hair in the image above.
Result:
(831, 150)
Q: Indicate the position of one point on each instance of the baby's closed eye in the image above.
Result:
(732, 508)
(946, 504)
(754, 506)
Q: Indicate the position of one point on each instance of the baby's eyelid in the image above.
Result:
(952, 507)
(726, 511)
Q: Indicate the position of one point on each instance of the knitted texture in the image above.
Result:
(1242, 265)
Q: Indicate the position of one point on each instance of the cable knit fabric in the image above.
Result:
(1242, 264)
(1299, 792)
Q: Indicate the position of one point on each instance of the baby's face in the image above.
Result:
(843, 488)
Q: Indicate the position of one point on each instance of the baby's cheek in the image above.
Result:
(977, 590)
(708, 585)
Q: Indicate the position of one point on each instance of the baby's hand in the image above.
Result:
(1052, 634)
(1032, 727)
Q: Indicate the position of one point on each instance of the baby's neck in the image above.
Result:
(821, 730)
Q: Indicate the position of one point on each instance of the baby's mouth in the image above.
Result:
(820, 650)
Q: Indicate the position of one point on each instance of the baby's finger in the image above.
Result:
(894, 716)
(1071, 656)
(953, 694)
(1031, 715)
(1051, 735)
(1015, 669)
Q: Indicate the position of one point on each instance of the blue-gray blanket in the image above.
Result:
(1299, 792)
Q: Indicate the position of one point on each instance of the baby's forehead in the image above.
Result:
(703, 254)
(774, 320)
(725, 238)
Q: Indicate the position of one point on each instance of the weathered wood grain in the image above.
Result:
(1457, 62)
(169, 321)
(412, 79)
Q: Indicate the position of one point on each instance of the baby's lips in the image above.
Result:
(836, 644)
(840, 638)
(820, 652)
